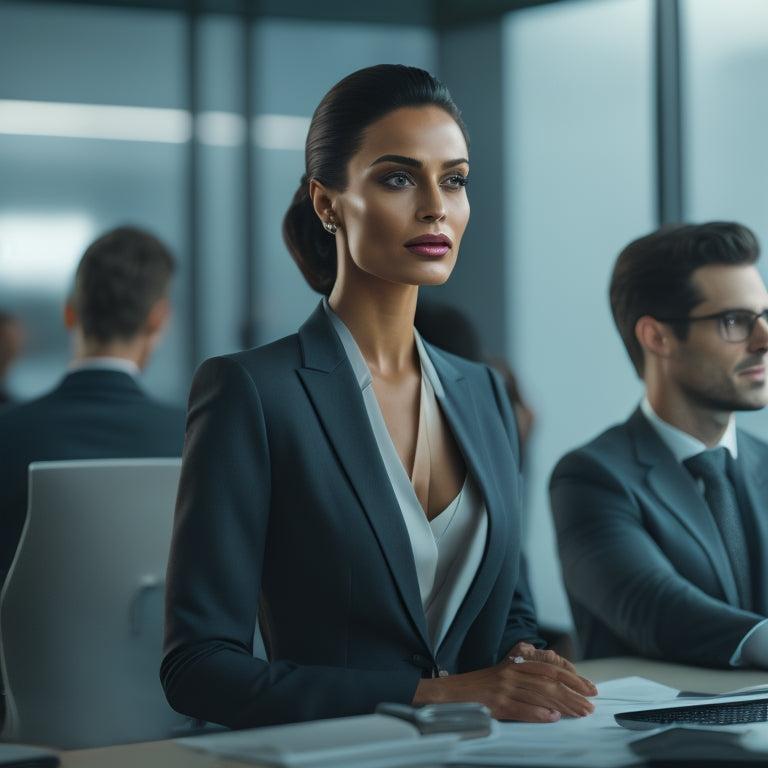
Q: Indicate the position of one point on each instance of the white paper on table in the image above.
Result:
(597, 741)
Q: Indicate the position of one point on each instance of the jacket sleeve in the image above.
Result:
(615, 570)
(522, 625)
(214, 577)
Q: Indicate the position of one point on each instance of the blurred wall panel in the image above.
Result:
(579, 172)
(222, 131)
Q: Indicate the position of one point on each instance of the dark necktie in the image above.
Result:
(721, 497)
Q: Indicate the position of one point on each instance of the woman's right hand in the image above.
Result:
(530, 691)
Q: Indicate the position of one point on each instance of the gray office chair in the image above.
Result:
(82, 607)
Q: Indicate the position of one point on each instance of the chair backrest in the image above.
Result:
(81, 610)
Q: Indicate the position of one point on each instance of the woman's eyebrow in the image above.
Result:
(454, 163)
(403, 160)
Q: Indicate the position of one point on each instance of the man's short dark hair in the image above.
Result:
(652, 275)
(121, 276)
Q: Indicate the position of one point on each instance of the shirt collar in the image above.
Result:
(356, 359)
(683, 445)
(105, 364)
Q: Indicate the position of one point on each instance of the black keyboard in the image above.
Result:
(715, 713)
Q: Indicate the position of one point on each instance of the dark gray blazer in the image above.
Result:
(91, 414)
(644, 565)
(283, 493)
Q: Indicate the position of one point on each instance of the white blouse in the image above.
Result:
(448, 549)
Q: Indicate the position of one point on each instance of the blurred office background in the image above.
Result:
(592, 121)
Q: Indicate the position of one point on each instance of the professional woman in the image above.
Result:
(351, 485)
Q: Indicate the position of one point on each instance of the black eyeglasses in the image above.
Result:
(734, 324)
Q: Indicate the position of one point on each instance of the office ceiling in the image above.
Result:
(438, 13)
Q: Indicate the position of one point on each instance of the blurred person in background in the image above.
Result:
(116, 314)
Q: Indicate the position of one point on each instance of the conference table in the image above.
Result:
(169, 754)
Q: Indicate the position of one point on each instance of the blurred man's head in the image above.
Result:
(119, 303)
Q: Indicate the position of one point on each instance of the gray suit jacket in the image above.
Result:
(284, 495)
(643, 561)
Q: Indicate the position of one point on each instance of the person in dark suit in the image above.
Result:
(354, 486)
(116, 313)
(662, 557)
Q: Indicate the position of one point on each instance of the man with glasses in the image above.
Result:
(662, 522)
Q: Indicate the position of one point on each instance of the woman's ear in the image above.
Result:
(322, 202)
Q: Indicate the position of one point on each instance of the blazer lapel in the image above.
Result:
(335, 395)
(461, 410)
(676, 490)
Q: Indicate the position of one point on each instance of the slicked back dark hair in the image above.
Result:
(121, 276)
(335, 134)
(652, 275)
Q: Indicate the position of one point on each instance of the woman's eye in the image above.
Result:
(397, 180)
(456, 181)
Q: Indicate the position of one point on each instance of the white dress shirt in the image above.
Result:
(105, 364)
